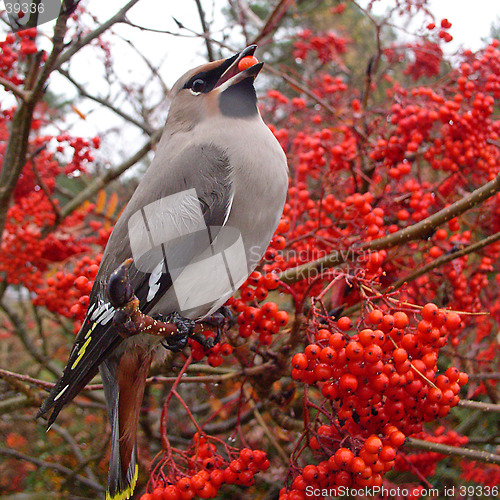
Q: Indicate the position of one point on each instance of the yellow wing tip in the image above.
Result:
(126, 493)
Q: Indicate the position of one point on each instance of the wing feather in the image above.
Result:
(203, 168)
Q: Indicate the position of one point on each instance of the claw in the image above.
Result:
(220, 317)
(185, 328)
(184, 325)
(206, 343)
(175, 344)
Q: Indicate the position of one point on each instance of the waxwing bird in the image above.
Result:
(198, 223)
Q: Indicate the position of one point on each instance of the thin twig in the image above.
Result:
(484, 376)
(273, 21)
(75, 448)
(206, 31)
(27, 343)
(447, 258)
(267, 431)
(41, 183)
(104, 102)
(82, 42)
(296, 85)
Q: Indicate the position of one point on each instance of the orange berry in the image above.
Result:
(400, 320)
(247, 62)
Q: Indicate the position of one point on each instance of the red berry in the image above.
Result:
(312, 351)
(344, 323)
(300, 361)
(429, 311)
(343, 457)
(373, 444)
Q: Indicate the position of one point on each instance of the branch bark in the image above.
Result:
(419, 230)
(440, 261)
(480, 456)
(18, 92)
(479, 405)
(17, 146)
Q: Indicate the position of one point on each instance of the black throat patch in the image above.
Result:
(239, 100)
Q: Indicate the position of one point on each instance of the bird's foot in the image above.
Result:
(175, 329)
(185, 329)
(220, 319)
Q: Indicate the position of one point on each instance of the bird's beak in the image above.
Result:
(232, 74)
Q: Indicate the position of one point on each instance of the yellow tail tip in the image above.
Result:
(126, 493)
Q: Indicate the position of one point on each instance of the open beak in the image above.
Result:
(232, 74)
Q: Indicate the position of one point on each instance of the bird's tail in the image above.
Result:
(124, 380)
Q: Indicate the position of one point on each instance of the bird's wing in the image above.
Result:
(192, 193)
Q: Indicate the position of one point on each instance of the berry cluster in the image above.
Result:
(215, 354)
(382, 383)
(325, 46)
(67, 293)
(207, 472)
(265, 320)
(486, 474)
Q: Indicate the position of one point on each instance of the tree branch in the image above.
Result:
(208, 379)
(103, 102)
(76, 450)
(8, 85)
(479, 405)
(447, 258)
(296, 85)
(26, 341)
(272, 22)
(440, 261)
(206, 31)
(480, 456)
(17, 146)
(421, 229)
(78, 44)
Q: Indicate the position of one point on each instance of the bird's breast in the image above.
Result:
(260, 180)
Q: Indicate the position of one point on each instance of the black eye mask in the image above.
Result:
(205, 81)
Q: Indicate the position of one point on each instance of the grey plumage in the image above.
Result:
(198, 223)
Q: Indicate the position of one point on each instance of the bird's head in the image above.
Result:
(219, 87)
